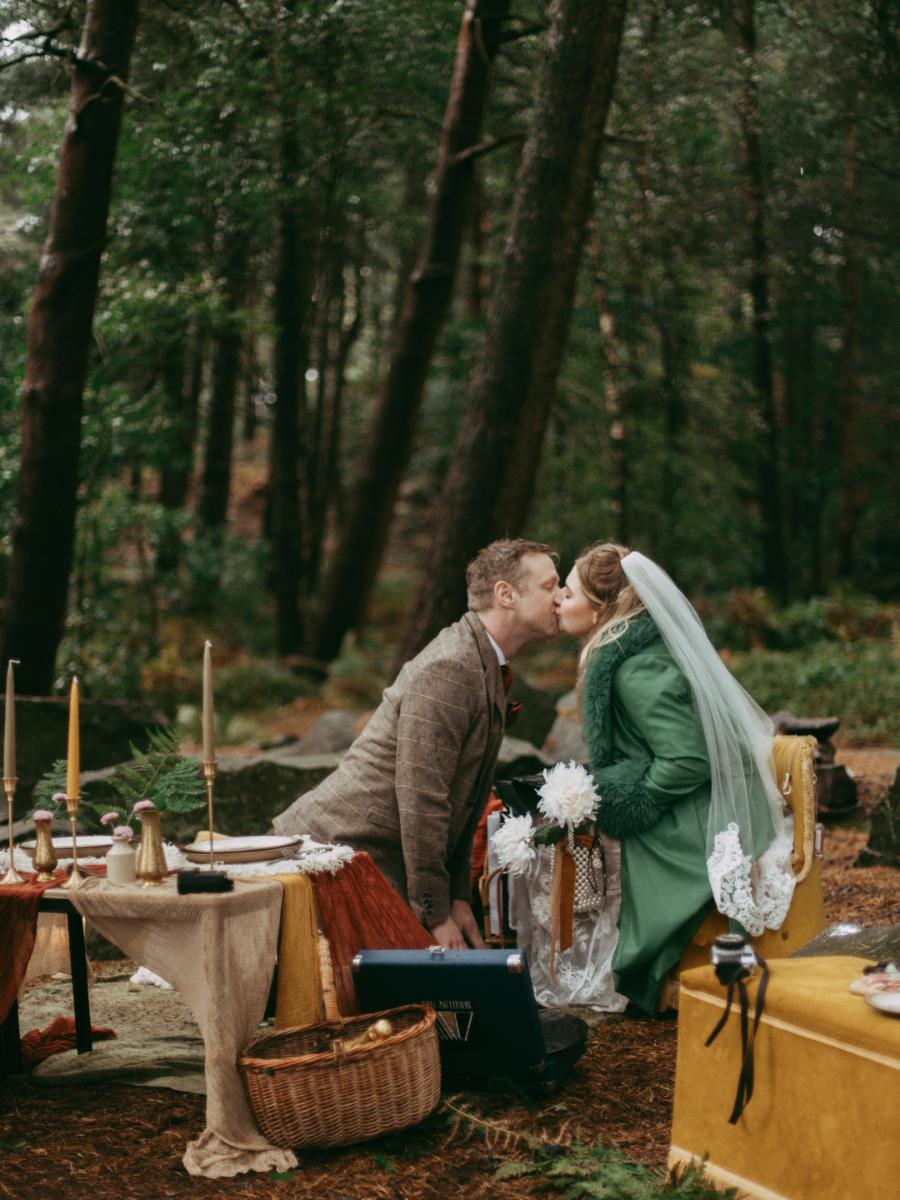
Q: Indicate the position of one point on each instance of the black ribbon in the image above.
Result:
(748, 1031)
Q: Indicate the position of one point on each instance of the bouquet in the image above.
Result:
(568, 799)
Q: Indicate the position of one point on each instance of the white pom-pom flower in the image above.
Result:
(567, 795)
(513, 844)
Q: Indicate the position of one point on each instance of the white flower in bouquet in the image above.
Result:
(567, 795)
(513, 844)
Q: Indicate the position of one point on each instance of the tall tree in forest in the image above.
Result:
(424, 306)
(182, 382)
(739, 23)
(293, 286)
(851, 348)
(215, 485)
(513, 385)
(59, 333)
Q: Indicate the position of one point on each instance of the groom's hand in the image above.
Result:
(462, 915)
(460, 930)
(448, 934)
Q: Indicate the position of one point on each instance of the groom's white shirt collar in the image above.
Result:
(501, 657)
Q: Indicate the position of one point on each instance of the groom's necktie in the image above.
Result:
(512, 709)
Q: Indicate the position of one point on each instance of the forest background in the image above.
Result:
(380, 281)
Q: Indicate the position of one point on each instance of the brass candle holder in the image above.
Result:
(76, 875)
(209, 774)
(12, 875)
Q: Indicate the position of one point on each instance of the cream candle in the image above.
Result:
(9, 726)
(209, 736)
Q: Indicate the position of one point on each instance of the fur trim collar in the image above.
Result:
(597, 687)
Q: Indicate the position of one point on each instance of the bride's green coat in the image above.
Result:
(650, 766)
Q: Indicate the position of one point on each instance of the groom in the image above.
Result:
(412, 787)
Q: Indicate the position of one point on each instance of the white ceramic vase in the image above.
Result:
(120, 861)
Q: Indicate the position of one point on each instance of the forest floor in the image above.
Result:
(110, 1140)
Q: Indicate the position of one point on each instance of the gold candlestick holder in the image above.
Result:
(209, 774)
(76, 876)
(12, 875)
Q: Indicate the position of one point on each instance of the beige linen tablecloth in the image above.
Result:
(218, 951)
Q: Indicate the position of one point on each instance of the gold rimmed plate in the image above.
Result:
(264, 848)
(90, 845)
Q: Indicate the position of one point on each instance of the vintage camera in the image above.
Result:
(732, 957)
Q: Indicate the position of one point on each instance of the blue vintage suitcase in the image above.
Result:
(488, 1021)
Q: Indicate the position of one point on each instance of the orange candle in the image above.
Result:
(209, 737)
(9, 728)
(73, 761)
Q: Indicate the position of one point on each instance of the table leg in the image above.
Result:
(10, 1043)
(80, 999)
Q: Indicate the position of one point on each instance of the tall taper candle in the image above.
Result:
(209, 736)
(73, 762)
(9, 727)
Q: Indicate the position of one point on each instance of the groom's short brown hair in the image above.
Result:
(501, 560)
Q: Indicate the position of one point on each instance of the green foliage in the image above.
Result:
(598, 1172)
(161, 774)
(257, 684)
(53, 783)
(749, 618)
(858, 682)
(669, 244)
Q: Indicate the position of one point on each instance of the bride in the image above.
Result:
(681, 760)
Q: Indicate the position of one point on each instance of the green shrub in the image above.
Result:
(856, 681)
(256, 684)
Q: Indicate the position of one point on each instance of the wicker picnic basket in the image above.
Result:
(305, 1089)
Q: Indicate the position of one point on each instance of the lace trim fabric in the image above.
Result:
(756, 894)
(584, 971)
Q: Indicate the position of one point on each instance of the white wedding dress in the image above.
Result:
(583, 972)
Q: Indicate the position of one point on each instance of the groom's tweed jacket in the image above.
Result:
(411, 788)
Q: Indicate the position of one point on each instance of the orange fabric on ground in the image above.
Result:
(59, 1035)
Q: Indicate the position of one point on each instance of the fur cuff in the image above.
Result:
(625, 806)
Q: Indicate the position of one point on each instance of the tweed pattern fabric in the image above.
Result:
(412, 787)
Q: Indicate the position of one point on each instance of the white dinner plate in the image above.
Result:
(244, 849)
(886, 1002)
(90, 845)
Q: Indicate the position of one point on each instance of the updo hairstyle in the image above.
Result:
(607, 588)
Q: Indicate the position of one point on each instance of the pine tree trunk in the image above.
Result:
(425, 302)
(293, 285)
(768, 458)
(491, 475)
(59, 334)
(616, 425)
(850, 388)
(226, 373)
(183, 382)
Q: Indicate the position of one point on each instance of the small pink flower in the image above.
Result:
(143, 806)
(109, 818)
(42, 814)
(58, 797)
(125, 832)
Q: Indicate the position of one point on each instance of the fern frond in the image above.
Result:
(468, 1122)
(161, 774)
(515, 1169)
(52, 782)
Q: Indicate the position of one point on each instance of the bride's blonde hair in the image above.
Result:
(614, 600)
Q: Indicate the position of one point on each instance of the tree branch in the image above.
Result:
(483, 148)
